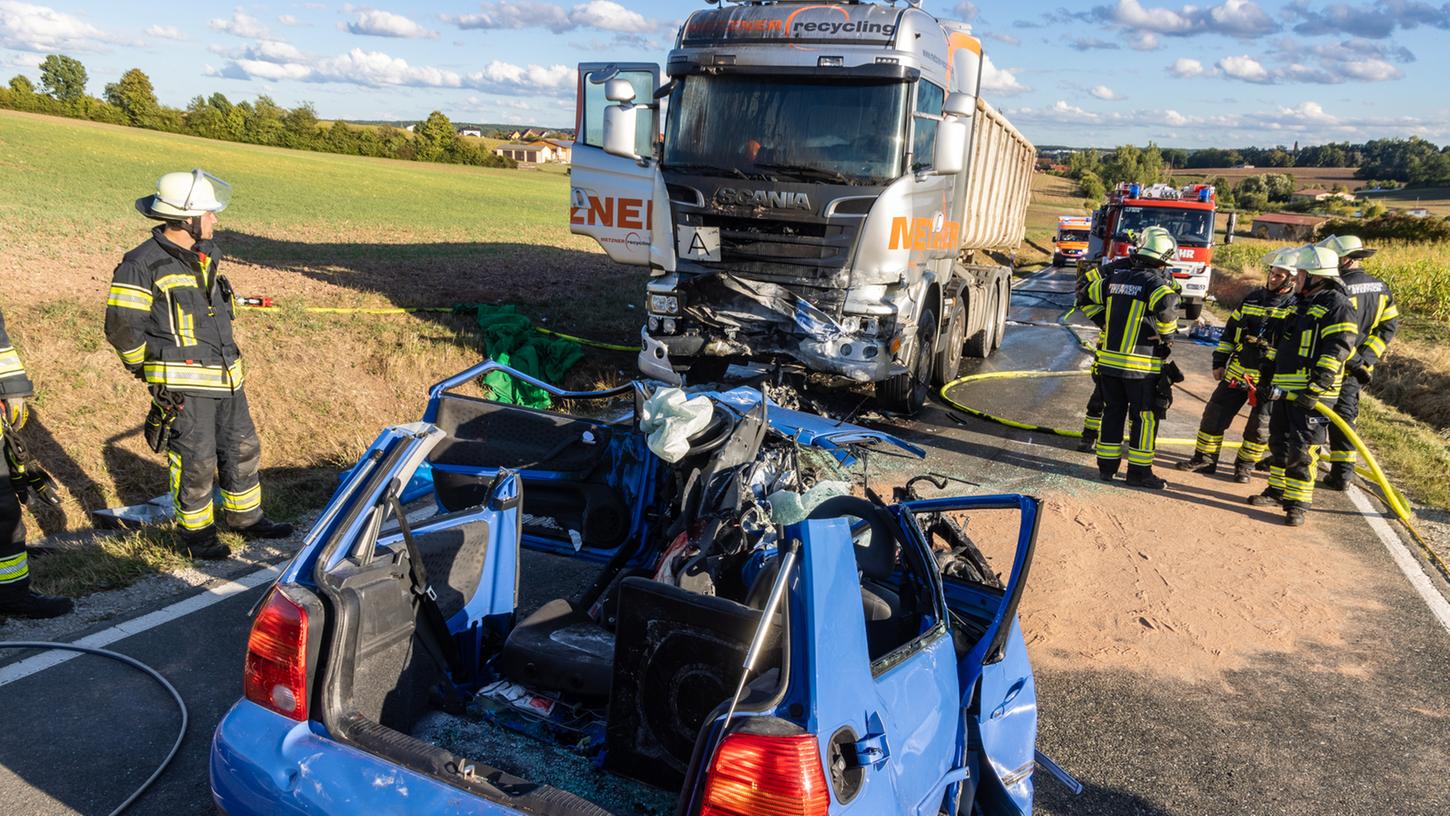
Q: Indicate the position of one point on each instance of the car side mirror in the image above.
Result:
(950, 156)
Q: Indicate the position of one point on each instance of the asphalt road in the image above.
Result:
(1288, 736)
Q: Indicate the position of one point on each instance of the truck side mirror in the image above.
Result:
(620, 126)
(950, 156)
(619, 90)
(959, 104)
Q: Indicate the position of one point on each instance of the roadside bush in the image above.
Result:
(1391, 227)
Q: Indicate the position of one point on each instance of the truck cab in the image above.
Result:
(813, 184)
(1187, 212)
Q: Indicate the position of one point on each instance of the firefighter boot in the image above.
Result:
(1294, 514)
(265, 528)
(1269, 498)
(1339, 479)
(1088, 443)
(1200, 462)
(1243, 471)
(203, 544)
(1143, 477)
(1107, 470)
(31, 605)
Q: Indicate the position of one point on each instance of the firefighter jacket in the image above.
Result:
(169, 315)
(1245, 339)
(1375, 316)
(1140, 315)
(1089, 289)
(1312, 342)
(14, 382)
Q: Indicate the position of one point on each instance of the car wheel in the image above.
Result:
(949, 345)
(906, 393)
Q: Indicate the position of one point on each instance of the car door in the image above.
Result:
(619, 202)
(998, 691)
(880, 717)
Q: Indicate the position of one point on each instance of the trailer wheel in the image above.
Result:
(979, 345)
(1004, 297)
(949, 345)
(906, 393)
(1192, 309)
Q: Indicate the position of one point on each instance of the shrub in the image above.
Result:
(1391, 227)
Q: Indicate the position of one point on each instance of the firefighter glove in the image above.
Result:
(1362, 373)
(16, 412)
(166, 406)
(1264, 392)
(1306, 400)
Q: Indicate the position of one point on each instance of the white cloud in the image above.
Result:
(28, 27)
(1000, 81)
(165, 32)
(1187, 67)
(1144, 41)
(1245, 68)
(375, 23)
(375, 68)
(241, 24)
(1005, 39)
(506, 78)
(1234, 18)
(602, 15)
(966, 11)
(287, 20)
(1376, 20)
(1104, 92)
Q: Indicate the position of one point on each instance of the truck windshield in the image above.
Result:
(1189, 227)
(1069, 236)
(791, 129)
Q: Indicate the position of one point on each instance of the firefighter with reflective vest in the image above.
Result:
(16, 596)
(1304, 367)
(1377, 319)
(1140, 317)
(1089, 301)
(169, 315)
(1236, 362)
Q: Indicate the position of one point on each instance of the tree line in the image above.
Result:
(131, 100)
(1413, 161)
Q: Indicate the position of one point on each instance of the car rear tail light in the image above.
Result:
(754, 775)
(276, 672)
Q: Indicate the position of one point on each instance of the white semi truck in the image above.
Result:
(829, 190)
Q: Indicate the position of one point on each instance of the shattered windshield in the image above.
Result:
(793, 129)
(1189, 227)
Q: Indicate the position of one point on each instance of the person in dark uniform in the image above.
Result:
(16, 597)
(169, 316)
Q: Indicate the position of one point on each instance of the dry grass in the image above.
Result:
(1434, 199)
(1051, 196)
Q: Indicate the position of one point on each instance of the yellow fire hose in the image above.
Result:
(1370, 471)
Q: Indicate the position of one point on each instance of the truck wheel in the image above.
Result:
(949, 345)
(1192, 309)
(906, 393)
(979, 345)
(1004, 297)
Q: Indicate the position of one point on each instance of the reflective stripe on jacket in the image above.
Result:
(1312, 343)
(1141, 308)
(1243, 343)
(1375, 315)
(169, 316)
(14, 382)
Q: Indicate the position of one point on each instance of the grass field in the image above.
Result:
(1434, 199)
(308, 229)
(1051, 196)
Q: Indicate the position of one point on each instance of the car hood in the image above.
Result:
(839, 437)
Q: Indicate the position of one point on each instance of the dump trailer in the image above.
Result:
(828, 191)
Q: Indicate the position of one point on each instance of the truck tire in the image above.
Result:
(906, 393)
(979, 345)
(949, 345)
(1004, 298)
(1192, 309)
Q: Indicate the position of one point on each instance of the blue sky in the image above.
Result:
(1218, 73)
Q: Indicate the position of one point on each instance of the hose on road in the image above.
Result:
(139, 666)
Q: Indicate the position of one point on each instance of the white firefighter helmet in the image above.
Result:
(1348, 246)
(185, 195)
(1282, 258)
(1318, 261)
(1157, 244)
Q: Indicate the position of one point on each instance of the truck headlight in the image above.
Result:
(664, 304)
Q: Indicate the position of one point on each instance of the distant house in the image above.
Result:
(1316, 195)
(1287, 226)
(563, 149)
(410, 128)
(536, 153)
(1418, 212)
(517, 135)
(474, 132)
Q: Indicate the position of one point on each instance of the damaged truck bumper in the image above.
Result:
(762, 321)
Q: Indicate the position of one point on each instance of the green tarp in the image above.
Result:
(510, 338)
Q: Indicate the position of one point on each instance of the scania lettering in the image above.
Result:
(830, 193)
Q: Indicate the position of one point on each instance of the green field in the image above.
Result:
(1434, 199)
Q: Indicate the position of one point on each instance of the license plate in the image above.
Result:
(698, 243)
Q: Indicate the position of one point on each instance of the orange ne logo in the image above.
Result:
(624, 213)
(917, 234)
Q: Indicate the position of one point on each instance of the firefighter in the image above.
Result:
(1235, 367)
(1377, 320)
(1089, 301)
(1303, 368)
(169, 316)
(16, 596)
(1140, 318)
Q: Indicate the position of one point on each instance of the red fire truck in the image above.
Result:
(1186, 212)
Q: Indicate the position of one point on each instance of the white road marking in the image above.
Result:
(1408, 564)
(45, 660)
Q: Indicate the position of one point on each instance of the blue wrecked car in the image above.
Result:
(747, 638)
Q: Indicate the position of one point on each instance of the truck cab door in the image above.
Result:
(613, 199)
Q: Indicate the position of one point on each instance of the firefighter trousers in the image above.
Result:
(1223, 405)
(1295, 436)
(1342, 456)
(14, 564)
(1131, 401)
(213, 440)
(1092, 421)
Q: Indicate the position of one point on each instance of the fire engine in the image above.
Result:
(1187, 212)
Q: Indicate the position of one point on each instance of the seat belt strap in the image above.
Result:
(437, 640)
